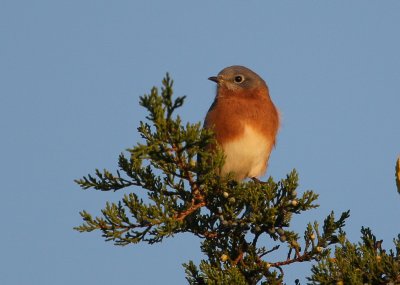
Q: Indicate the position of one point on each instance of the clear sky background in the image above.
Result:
(71, 73)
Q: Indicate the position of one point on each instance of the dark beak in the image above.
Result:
(213, 78)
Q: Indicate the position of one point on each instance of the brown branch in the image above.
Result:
(198, 199)
(297, 252)
(210, 234)
(182, 215)
(206, 234)
(269, 251)
(238, 258)
(182, 165)
(302, 258)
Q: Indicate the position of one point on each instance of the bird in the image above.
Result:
(244, 120)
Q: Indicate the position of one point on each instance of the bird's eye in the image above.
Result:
(239, 79)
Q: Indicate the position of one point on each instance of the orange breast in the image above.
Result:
(230, 113)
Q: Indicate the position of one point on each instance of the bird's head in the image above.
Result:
(238, 79)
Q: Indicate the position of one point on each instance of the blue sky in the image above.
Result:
(71, 73)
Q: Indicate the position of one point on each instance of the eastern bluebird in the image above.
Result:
(245, 121)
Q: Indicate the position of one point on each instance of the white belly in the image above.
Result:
(248, 155)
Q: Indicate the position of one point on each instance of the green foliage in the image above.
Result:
(363, 263)
(185, 194)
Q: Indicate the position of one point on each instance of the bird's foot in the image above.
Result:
(255, 179)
